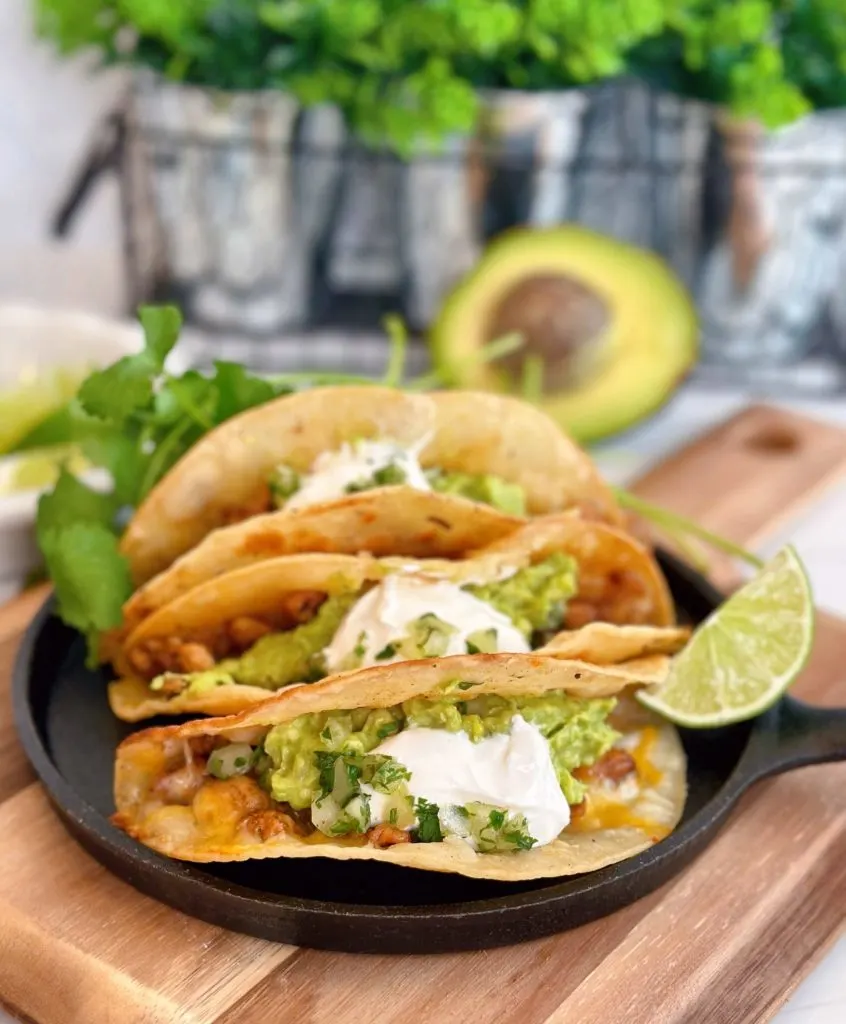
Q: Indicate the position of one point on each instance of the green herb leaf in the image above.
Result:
(387, 730)
(125, 387)
(388, 651)
(325, 762)
(162, 325)
(238, 390)
(389, 475)
(90, 576)
(389, 776)
(428, 827)
(71, 502)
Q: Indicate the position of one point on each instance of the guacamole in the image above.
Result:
(484, 488)
(576, 729)
(533, 598)
(282, 658)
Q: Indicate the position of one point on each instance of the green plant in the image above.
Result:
(767, 60)
(402, 70)
(406, 71)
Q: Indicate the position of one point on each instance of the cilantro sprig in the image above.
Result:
(136, 419)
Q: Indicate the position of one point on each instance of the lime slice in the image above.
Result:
(745, 654)
(40, 468)
(34, 399)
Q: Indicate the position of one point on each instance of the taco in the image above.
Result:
(301, 451)
(493, 766)
(230, 641)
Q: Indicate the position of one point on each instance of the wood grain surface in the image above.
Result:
(724, 943)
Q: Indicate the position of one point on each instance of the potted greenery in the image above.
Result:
(254, 120)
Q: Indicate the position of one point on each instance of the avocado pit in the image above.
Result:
(561, 320)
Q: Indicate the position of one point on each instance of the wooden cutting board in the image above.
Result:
(724, 943)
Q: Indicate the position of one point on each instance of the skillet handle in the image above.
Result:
(798, 734)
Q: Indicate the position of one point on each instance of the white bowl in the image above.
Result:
(40, 340)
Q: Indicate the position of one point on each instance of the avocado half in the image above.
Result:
(614, 327)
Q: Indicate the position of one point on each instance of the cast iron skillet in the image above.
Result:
(70, 735)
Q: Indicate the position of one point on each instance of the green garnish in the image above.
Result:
(390, 474)
(387, 730)
(388, 651)
(389, 775)
(341, 774)
(135, 420)
(492, 829)
(77, 534)
(284, 484)
(429, 635)
(428, 827)
(385, 476)
(360, 648)
(233, 759)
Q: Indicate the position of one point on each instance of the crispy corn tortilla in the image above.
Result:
(602, 553)
(223, 478)
(385, 521)
(132, 700)
(602, 643)
(174, 830)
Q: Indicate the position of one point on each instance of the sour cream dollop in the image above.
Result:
(510, 770)
(333, 472)
(386, 612)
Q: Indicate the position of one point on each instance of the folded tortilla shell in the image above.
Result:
(175, 831)
(602, 643)
(223, 478)
(608, 559)
(385, 521)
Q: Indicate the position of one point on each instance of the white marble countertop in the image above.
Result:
(50, 111)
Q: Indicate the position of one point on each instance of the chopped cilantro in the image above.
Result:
(428, 827)
(353, 773)
(387, 730)
(355, 486)
(344, 827)
(392, 816)
(383, 477)
(325, 761)
(284, 483)
(388, 651)
(496, 819)
(360, 648)
(494, 830)
(389, 776)
(521, 840)
(390, 474)
(467, 686)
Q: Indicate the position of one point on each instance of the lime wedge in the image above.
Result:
(745, 654)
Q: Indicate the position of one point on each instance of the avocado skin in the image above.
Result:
(655, 328)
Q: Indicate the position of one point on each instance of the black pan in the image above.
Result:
(70, 735)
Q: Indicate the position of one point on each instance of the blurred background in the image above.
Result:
(291, 168)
